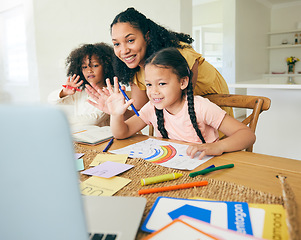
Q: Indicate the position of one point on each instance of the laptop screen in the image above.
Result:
(40, 196)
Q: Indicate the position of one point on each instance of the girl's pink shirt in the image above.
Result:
(179, 127)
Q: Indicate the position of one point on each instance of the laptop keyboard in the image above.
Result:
(102, 236)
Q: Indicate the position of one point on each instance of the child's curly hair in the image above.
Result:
(158, 37)
(102, 51)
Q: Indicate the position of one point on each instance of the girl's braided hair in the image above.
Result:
(172, 59)
(156, 36)
(102, 51)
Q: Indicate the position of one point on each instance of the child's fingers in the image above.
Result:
(92, 103)
(128, 103)
(192, 150)
(73, 77)
(76, 79)
(203, 154)
(105, 91)
(68, 79)
(91, 91)
(92, 95)
(79, 83)
(109, 86)
(116, 85)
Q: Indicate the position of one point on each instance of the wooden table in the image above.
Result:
(253, 170)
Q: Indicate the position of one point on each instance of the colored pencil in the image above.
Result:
(174, 187)
(109, 145)
(69, 87)
(127, 98)
(160, 178)
(208, 170)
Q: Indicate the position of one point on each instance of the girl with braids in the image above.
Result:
(135, 38)
(87, 64)
(174, 112)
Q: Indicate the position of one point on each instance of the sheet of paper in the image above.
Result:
(96, 186)
(108, 169)
(220, 233)
(164, 153)
(79, 155)
(179, 230)
(274, 221)
(101, 158)
(79, 164)
(268, 220)
(228, 215)
(159, 214)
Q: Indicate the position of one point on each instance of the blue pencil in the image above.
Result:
(109, 145)
(127, 98)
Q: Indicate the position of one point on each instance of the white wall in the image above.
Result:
(283, 19)
(252, 25)
(208, 13)
(229, 16)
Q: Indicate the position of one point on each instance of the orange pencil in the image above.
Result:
(174, 187)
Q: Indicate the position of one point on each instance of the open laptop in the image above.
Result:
(40, 196)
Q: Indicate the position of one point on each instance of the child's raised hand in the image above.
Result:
(205, 149)
(72, 85)
(99, 95)
(116, 101)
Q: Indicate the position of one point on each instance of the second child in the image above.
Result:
(87, 64)
(175, 113)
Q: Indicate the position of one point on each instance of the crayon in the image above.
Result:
(109, 145)
(69, 87)
(205, 171)
(127, 98)
(161, 178)
(174, 187)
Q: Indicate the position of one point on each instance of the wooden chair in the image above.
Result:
(257, 103)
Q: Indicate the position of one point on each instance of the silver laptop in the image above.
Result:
(40, 196)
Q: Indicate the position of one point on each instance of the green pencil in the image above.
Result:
(208, 170)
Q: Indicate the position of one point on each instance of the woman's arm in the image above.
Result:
(195, 72)
(239, 137)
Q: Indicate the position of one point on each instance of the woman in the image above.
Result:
(135, 38)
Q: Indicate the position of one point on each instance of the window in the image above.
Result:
(15, 63)
(18, 68)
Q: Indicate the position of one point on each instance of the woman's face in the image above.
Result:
(129, 44)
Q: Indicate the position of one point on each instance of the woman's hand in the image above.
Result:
(205, 149)
(116, 102)
(72, 84)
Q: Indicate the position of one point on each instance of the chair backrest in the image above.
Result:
(257, 103)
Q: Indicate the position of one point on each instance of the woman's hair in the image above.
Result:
(102, 51)
(156, 36)
(172, 59)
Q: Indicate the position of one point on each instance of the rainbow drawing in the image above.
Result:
(168, 153)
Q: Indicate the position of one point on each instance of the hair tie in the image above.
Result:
(188, 70)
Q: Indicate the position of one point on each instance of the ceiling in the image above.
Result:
(267, 2)
(273, 2)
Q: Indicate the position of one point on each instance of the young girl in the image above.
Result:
(135, 38)
(88, 64)
(175, 113)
